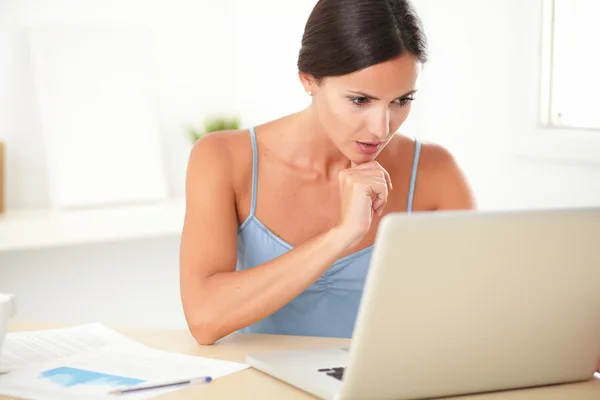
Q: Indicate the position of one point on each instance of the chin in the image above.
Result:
(359, 158)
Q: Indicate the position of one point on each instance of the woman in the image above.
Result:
(281, 219)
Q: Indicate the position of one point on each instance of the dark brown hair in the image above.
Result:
(345, 36)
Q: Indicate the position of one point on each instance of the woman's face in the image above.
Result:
(361, 111)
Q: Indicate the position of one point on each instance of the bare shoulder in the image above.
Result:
(441, 182)
(219, 151)
(437, 159)
(432, 155)
(220, 145)
(449, 186)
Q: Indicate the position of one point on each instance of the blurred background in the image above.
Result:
(99, 101)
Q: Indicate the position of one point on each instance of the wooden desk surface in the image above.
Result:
(252, 384)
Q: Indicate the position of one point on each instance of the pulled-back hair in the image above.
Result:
(345, 36)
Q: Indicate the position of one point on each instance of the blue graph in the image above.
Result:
(69, 377)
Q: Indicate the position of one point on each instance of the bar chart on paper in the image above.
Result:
(67, 382)
(69, 377)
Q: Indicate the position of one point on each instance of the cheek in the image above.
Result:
(339, 116)
(398, 117)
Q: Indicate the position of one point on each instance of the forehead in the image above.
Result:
(390, 78)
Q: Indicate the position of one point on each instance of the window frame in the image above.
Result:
(549, 139)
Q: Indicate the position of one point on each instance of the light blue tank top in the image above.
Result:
(330, 305)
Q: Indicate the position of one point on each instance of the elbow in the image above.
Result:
(204, 338)
(206, 319)
(202, 320)
(204, 329)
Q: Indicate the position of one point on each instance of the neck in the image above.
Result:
(310, 147)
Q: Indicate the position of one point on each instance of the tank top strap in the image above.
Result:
(413, 176)
(254, 170)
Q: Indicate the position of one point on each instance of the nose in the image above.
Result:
(379, 122)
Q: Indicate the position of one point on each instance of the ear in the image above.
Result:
(308, 82)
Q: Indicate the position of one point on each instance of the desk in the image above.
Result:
(251, 384)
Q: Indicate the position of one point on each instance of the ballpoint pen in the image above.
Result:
(160, 385)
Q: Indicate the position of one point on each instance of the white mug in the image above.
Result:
(8, 309)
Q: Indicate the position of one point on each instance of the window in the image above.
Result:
(572, 71)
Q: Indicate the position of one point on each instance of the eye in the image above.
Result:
(360, 101)
(403, 101)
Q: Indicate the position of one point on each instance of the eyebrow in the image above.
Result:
(362, 94)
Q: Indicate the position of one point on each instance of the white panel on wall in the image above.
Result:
(96, 95)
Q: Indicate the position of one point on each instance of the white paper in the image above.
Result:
(22, 349)
(88, 362)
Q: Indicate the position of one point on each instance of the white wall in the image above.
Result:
(268, 35)
(129, 283)
(479, 97)
(194, 63)
(134, 283)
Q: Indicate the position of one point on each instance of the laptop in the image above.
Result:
(463, 302)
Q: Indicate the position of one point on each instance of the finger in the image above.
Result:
(375, 188)
(374, 165)
(379, 197)
(385, 174)
(387, 178)
(378, 206)
(372, 176)
(367, 182)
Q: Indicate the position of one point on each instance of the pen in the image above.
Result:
(204, 379)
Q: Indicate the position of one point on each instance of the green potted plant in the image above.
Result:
(214, 124)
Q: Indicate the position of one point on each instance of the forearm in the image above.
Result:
(233, 300)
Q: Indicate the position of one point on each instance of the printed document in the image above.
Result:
(90, 361)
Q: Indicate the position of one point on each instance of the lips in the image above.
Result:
(369, 147)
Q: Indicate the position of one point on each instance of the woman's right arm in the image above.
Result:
(218, 300)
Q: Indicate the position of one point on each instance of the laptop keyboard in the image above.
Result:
(337, 373)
